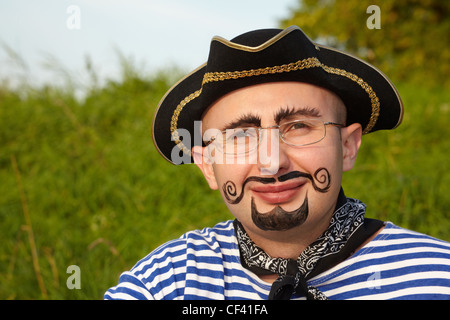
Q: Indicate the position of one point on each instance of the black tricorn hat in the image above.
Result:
(271, 55)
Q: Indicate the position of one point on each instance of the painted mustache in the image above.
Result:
(320, 181)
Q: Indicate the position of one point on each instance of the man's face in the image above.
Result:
(290, 188)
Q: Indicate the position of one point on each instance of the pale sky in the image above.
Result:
(155, 33)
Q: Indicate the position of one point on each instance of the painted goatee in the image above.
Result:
(279, 219)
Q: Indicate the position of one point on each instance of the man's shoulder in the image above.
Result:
(396, 234)
(162, 274)
(221, 232)
(395, 244)
(202, 241)
(397, 264)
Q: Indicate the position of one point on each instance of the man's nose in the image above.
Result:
(271, 158)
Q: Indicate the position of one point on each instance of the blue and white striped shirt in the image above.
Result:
(396, 264)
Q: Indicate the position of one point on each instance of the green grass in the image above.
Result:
(100, 196)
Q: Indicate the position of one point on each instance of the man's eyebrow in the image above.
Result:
(246, 120)
(289, 112)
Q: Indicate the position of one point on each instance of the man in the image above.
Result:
(281, 120)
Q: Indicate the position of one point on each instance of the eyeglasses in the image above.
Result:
(296, 133)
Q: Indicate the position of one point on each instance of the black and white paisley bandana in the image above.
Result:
(348, 229)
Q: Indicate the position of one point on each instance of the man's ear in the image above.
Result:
(351, 142)
(203, 162)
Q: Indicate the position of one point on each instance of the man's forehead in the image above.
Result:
(277, 95)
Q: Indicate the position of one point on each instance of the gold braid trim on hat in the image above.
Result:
(299, 65)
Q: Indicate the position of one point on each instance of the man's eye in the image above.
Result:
(240, 134)
(299, 126)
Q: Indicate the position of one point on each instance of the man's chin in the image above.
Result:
(279, 219)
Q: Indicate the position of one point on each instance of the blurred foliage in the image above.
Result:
(412, 44)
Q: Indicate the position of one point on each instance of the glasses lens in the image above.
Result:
(302, 132)
(239, 140)
(244, 140)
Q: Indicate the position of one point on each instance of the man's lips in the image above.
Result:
(277, 194)
(278, 190)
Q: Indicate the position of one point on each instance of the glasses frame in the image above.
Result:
(325, 124)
